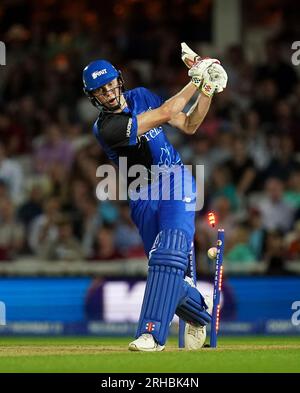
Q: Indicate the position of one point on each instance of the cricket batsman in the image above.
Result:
(131, 125)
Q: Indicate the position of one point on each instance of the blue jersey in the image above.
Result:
(117, 133)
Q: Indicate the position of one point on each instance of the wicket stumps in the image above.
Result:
(215, 322)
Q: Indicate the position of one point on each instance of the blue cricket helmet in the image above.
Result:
(97, 74)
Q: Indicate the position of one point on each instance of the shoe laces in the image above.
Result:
(147, 336)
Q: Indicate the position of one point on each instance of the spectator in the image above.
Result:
(105, 247)
(253, 125)
(128, 240)
(276, 69)
(32, 207)
(276, 214)
(257, 233)
(211, 125)
(239, 71)
(255, 140)
(43, 228)
(284, 118)
(292, 194)
(202, 154)
(240, 252)
(65, 247)
(264, 100)
(12, 135)
(11, 174)
(241, 168)
(89, 223)
(78, 190)
(76, 137)
(222, 149)
(109, 212)
(293, 243)
(221, 185)
(284, 163)
(54, 150)
(58, 178)
(275, 254)
(3, 190)
(11, 232)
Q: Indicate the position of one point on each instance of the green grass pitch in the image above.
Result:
(103, 355)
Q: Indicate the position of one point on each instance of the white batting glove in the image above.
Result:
(214, 80)
(196, 65)
(219, 76)
(191, 58)
(199, 68)
(208, 87)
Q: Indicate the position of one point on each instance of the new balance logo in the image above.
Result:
(99, 73)
(128, 129)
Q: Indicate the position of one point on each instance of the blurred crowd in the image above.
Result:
(249, 142)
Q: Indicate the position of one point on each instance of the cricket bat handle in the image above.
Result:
(188, 56)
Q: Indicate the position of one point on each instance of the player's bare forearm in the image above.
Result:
(166, 111)
(197, 113)
(191, 121)
(176, 104)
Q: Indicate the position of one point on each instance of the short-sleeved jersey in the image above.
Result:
(117, 133)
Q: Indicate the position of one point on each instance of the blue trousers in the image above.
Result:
(166, 291)
(152, 216)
